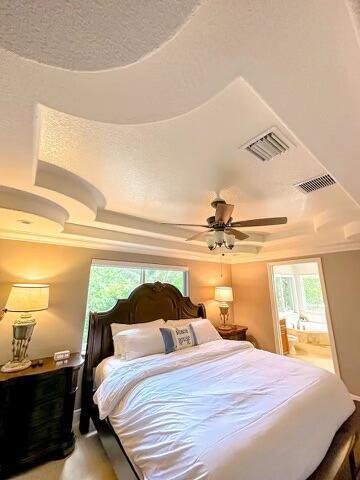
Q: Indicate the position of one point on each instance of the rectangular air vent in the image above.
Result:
(267, 146)
(315, 183)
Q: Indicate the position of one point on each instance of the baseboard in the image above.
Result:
(76, 417)
(355, 397)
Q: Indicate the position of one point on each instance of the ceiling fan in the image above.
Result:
(222, 225)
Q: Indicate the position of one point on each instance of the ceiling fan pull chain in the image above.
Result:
(221, 265)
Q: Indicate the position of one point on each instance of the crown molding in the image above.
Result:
(72, 240)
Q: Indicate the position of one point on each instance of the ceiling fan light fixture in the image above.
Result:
(220, 239)
(230, 241)
(219, 236)
(210, 242)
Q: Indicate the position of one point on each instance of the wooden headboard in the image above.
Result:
(146, 303)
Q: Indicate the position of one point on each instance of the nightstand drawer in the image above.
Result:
(40, 388)
(40, 434)
(54, 410)
(47, 387)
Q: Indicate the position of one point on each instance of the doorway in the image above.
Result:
(302, 323)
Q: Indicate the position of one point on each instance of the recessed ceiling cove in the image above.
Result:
(90, 35)
(25, 212)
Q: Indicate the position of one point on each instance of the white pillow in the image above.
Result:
(205, 331)
(181, 322)
(138, 342)
(121, 327)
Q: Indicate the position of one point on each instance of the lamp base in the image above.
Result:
(224, 316)
(15, 366)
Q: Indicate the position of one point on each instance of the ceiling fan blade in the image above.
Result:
(223, 212)
(259, 222)
(184, 224)
(237, 235)
(198, 235)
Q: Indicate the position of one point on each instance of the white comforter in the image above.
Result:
(223, 411)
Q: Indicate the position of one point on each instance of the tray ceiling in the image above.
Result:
(122, 149)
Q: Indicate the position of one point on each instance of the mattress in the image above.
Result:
(220, 411)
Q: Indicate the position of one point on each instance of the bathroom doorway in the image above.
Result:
(302, 323)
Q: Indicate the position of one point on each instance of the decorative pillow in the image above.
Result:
(205, 331)
(138, 342)
(181, 322)
(177, 338)
(121, 327)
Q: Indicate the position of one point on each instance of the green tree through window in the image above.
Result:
(175, 277)
(108, 283)
(312, 294)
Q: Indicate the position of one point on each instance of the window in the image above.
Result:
(311, 293)
(284, 288)
(110, 281)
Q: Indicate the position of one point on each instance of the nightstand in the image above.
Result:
(237, 332)
(36, 414)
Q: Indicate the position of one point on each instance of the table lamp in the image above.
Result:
(224, 295)
(25, 299)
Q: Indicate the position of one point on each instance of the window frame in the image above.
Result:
(143, 267)
(133, 265)
(292, 291)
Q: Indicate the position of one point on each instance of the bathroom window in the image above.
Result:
(110, 281)
(284, 286)
(311, 293)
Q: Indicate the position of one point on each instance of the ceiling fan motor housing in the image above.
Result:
(217, 226)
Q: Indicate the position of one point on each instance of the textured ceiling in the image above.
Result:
(90, 34)
(122, 148)
(170, 170)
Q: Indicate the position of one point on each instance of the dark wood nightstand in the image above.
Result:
(36, 414)
(237, 332)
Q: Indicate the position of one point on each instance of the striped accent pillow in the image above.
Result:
(177, 338)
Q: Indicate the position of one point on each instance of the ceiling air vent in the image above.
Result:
(267, 146)
(315, 183)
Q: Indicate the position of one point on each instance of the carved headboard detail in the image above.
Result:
(146, 303)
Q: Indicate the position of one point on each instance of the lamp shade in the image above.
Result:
(223, 294)
(28, 297)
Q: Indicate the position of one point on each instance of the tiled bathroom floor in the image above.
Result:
(315, 354)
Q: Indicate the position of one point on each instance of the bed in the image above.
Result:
(220, 410)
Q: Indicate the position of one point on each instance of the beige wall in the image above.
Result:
(67, 269)
(342, 279)
(252, 305)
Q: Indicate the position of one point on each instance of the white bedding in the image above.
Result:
(106, 367)
(223, 411)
